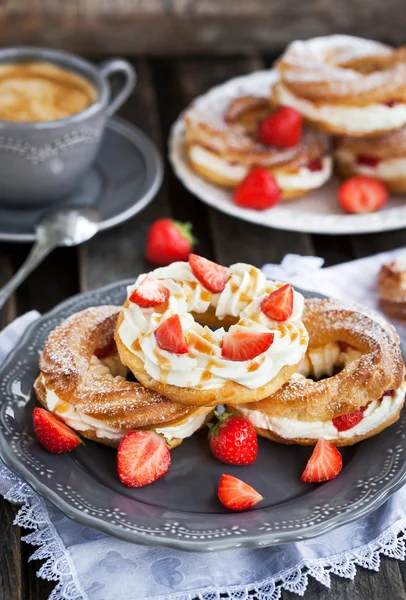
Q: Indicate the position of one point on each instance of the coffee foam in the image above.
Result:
(42, 91)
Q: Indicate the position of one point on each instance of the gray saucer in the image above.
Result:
(182, 510)
(125, 177)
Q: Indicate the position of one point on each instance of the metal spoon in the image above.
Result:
(64, 227)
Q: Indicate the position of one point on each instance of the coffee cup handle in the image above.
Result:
(111, 67)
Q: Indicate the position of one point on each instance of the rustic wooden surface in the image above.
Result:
(193, 26)
(165, 86)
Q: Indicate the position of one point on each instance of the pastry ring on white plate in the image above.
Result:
(382, 158)
(344, 85)
(83, 382)
(223, 146)
(364, 397)
(170, 348)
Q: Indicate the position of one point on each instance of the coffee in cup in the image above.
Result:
(42, 91)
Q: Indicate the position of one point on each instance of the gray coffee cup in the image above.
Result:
(44, 161)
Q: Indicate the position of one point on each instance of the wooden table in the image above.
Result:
(164, 88)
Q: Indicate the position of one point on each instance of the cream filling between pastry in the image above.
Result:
(79, 421)
(376, 413)
(352, 119)
(302, 179)
(389, 168)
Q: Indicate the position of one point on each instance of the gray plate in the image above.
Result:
(125, 177)
(181, 510)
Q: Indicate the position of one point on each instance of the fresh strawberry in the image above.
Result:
(150, 293)
(390, 103)
(315, 165)
(236, 495)
(214, 277)
(362, 194)
(324, 464)
(349, 420)
(52, 433)
(278, 306)
(233, 439)
(169, 241)
(143, 457)
(282, 129)
(368, 161)
(258, 190)
(245, 345)
(169, 336)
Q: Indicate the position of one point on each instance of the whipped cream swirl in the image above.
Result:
(203, 367)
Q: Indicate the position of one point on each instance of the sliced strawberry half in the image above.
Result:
(315, 165)
(324, 464)
(150, 293)
(170, 337)
(278, 306)
(245, 345)
(236, 495)
(362, 194)
(214, 277)
(348, 421)
(143, 457)
(52, 433)
(368, 161)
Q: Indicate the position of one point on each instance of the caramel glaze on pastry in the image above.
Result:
(392, 288)
(202, 376)
(370, 383)
(223, 147)
(344, 85)
(83, 382)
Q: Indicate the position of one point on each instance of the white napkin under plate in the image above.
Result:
(88, 565)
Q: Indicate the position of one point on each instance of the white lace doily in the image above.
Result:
(88, 565)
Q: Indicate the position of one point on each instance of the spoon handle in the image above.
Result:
(39, 251)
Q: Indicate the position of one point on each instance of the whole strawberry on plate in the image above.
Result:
(169, 241)
(233, 439)
(258, 190)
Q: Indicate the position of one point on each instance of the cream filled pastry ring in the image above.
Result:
(362, 399)
(344, 85)
(382, 157)
(223, 146)
(170, 348)
(83, 382)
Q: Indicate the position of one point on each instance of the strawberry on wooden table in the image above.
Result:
(324, 464)
(348, 421)
(150, 293)
(278, 306)
(169, 241)
(170, 337)
(245, 345)
(214, 277)
(282, 129)
(362, 194)
(52, 433)
(258, 190)
(233, 439)
(236, 495)
(143, 457)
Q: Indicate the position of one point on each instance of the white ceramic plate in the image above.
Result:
(319, 212)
